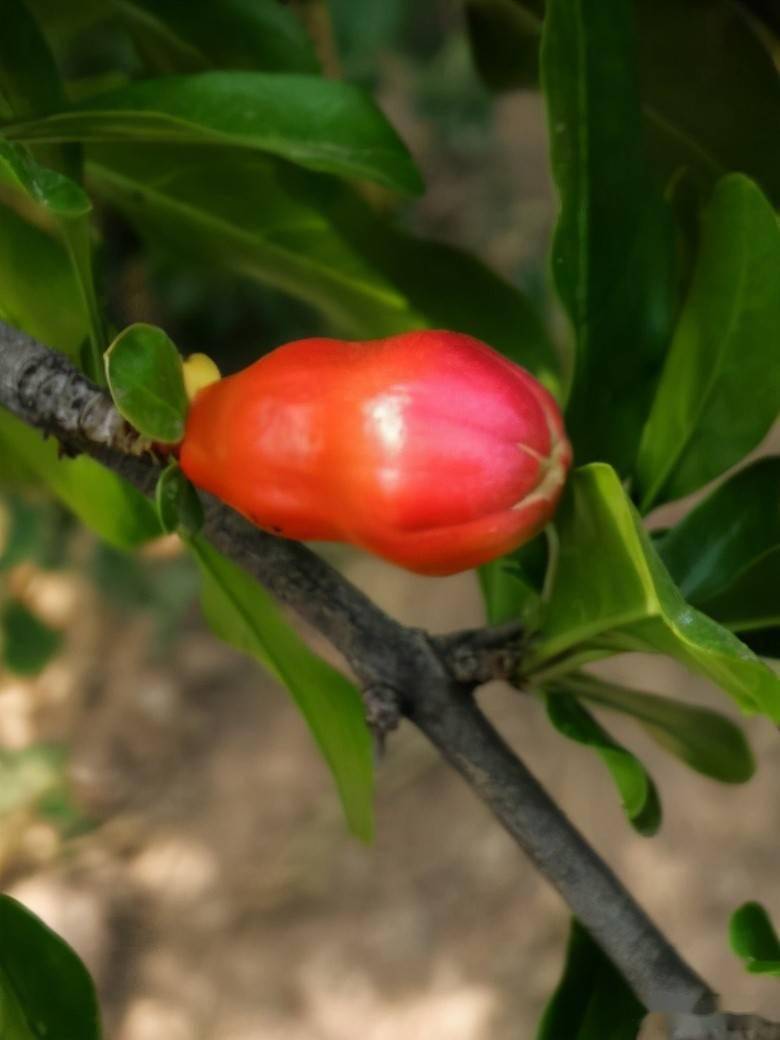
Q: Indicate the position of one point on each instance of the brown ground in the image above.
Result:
(222, 899)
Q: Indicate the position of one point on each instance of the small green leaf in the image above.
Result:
(27, 643)
(243, 614)
(100, 499)
(592, 1001)
(638, 793)
(45, 990)
(613, 251)
(323, 124)
(720, 389)
(233, 34)
(146, 381)
(178, 505)
(754, 939)
(725, 554)
(705, 740)
(612, 592)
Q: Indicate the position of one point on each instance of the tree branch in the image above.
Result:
(426, 677)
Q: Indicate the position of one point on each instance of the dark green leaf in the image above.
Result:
(244, 615)
(705, 740)
(111, 507)
(311, 237)
(29, 78)
(322, 124)
(613, 257)
(45, 990)
(178, 505)
(238, 34)
(720, 389)
(27, 643)
(711, 91)
(725, 554)
(592, 1001)
(638, 793)
(147, 383)
(613, 592)
(67, 207)
(504, 38)
(754, 939)
(24, 532)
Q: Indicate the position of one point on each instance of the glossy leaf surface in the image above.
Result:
(45, 990)
(613, 259)
(319, 123)
(612, 591)
(720, 389)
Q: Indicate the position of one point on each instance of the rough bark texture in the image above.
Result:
(401, 671)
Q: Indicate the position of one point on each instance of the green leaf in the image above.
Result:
(754, 939)
(720, 389)
(711, 91)
(22, 531)
(233, 34)
(613, 258)
(106, 503)
(45, 990)
(243, 614)
(27, 643)
(321, 124)
(312, 237)
(592, 1001)
(725, 554)
(504, 38)
(638, 793)
(67, 207)
(29, 78)
(511, 585)
(705, 740)
(30, 258)
(612, 591)
(146, 381)
(178, 505)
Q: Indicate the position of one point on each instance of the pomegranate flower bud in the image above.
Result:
(427, 448)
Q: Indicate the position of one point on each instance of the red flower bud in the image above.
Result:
(427, 448)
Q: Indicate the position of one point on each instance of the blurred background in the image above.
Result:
(163, 806)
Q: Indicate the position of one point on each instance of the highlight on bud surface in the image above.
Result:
(428, 448)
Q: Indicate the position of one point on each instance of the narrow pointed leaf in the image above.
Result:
(244, 615)
(322, 124)
(720, 389)
(613, 258)
(612, 591)
(705, 740)
(45, 990)
(725, 554)
(592, 1001)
